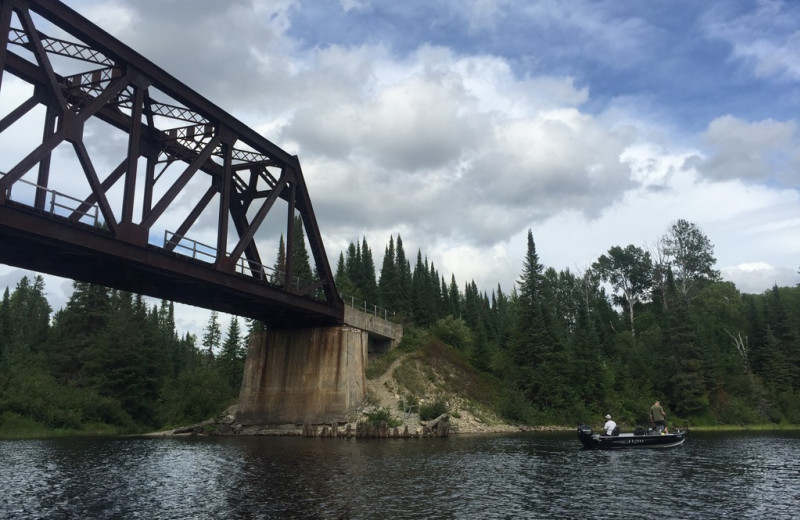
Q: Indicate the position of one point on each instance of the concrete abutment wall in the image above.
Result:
(311, 375)
(303, 376)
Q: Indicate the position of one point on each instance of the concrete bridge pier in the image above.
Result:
(299, 376)
(311, 375)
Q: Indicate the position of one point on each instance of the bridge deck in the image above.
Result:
(43, 243)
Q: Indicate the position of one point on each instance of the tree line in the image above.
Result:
(561, 347)
(567, 347)
(108, 363)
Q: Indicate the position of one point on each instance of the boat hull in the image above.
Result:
(596, 441)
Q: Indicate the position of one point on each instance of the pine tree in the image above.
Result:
(301, 267)
(77, 330)
(28, 316)
(454, 297)
(231, 359)
(212, 336)
(366, 281)
(683, 377)
(388, 284)
(538, 356)
(279, 269)
(403, 297)
(343, 282)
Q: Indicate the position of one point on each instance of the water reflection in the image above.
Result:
(524, 476)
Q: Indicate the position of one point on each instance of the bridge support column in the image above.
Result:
(303, 376)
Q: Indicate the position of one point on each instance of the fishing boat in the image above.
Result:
(641, 438)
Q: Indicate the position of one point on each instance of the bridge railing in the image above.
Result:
(196, 250)
(61, 204)
(364, 306)
(189, 247)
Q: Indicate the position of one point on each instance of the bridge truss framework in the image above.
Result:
(176, 154)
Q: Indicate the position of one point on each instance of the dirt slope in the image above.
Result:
(409, 375)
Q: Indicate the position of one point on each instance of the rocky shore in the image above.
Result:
(383, 393)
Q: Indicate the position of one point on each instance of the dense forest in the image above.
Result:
(560, 347)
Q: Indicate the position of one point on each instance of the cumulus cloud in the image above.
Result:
(756, 277)
(753, 151)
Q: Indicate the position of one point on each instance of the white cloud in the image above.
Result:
(755, 278)
(754, 151)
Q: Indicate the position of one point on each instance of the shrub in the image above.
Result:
(409, 405)
(383, 415)
(432, 410)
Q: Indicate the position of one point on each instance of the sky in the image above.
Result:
(460, 125)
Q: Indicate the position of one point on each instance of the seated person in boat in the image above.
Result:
(610, 425)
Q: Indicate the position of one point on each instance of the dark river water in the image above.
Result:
(535, 475)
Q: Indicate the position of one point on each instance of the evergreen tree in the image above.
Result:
(279, 269)
(454, 297)
(255, 326)
(591, 374)
(403, 267)
(77, 331)
(28, 316)
(422, 307)
(782, 340)
(212, 336)
(121, 364)
(683, 374)
(232, 357)
(367, 283)
(343, 281)
(530, 329)
(301, 266)
(389, 281)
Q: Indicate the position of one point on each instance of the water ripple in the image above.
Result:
(522, 476)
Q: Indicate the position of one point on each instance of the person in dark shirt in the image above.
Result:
(659, 417)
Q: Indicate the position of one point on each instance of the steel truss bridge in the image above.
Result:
(114, 172)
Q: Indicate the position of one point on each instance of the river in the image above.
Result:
(532, 475)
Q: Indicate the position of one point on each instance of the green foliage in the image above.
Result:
(194, 396)
(382, 415)
(430, 411)
(409, 405)
(31, 392)
(454, 332)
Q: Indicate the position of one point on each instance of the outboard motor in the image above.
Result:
(584, 430)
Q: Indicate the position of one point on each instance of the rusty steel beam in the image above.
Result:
(243, 171)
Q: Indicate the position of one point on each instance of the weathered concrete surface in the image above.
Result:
(303, 376)
(373, 324)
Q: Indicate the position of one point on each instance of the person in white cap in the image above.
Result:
(609, 425)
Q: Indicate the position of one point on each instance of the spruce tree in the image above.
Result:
(230, 362)
(343, 282)
(683, 374)
(28, 316)
(279, 269)
(77, 330)
(403, 298)
(388, 284)
(531, 337)
(366, 281)
(212, 337)
(301, 267)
